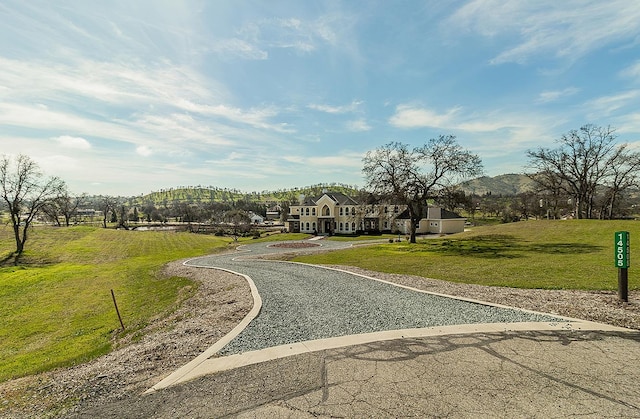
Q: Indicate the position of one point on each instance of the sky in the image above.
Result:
(129, 97)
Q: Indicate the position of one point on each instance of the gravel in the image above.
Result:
(302, 302)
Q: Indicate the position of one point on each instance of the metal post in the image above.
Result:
(623, 284)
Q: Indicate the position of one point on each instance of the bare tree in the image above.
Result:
(578, 165)
(585, 161)
(240, 222)
(107, 204)
(411, 177)
(25, 191)
(65, 206)
(623, 174)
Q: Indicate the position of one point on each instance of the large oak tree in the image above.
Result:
(25, 191)
(412, 176)
(586, 161)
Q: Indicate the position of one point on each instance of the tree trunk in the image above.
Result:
(415, 211)
(413, 228)
(578, 208)
(19, 242)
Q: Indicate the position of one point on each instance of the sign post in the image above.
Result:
(622, 261)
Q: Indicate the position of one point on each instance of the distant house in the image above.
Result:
(273, 213)
(256, 218)
(337, 213)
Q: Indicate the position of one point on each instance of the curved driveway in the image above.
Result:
(302, 309)
(303, 302)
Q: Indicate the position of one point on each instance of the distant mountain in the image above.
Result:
(509, 184)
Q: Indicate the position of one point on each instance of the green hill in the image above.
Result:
(200, 194)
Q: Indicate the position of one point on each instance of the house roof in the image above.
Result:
(337, 197)
(448, 215)
(444, 214)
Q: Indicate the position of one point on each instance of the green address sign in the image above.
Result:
(621, 247)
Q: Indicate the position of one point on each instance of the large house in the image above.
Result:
(337, 213)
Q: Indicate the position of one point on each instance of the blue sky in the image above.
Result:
(125, 98)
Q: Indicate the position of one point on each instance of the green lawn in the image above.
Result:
(575, 254)
(56, 307)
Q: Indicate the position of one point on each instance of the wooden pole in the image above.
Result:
(623, 285)
(117, 311)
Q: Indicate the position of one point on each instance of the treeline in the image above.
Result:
(190, 204)
(206, 194)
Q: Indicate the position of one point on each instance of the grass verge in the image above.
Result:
(574, 254)
(57, 308)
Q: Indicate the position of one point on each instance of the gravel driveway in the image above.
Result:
(303, 302)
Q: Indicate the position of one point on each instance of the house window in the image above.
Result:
(340, 210)
(340, 226)
(353, 210)
(313, 211)
(314, 227)
(395, 209)
(386, 225)
(307, 226)
(353, 226)
(346, 225)
(307, 212)
(386, 210)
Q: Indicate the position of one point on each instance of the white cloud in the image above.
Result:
(257, 117)
(632, 72)
(566, 29)
(358, 125)
(629, 123)
(144, 151)
(254, 39)
(342, 160)
(489, 133)
(409, 116)
(68, 141)
(240, 48)
(351, 107)
(57, 164)
(554, 95)
(159, 104)
(607, 105)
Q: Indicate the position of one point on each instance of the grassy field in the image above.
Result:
(57, 308)
(576, 254)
